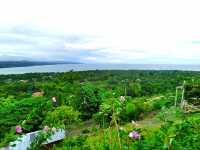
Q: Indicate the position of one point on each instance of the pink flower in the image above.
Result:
(18, 129)
(134, 135)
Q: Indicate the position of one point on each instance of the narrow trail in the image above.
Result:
(148, 122)
(77, 130)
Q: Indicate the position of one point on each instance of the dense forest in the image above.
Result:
(103, 110)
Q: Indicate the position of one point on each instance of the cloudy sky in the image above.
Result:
(101, 31)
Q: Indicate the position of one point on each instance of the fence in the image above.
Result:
(24, 142)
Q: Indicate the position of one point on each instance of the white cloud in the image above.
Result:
(125, 31)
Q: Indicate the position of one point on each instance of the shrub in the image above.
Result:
(133, 109)
(162, 102)
(178, 136)
(62, 117)
(88, 101)
(37, 142)
(28, 111)
(107, 108)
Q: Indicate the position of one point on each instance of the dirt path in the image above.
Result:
(149, 122)
(77, 130)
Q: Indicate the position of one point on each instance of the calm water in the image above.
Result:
(84, 67)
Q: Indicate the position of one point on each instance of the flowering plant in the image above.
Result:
(18, 129)
(134, 135)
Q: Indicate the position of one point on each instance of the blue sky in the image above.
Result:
(101, 31)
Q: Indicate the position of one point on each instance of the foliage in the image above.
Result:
(162, 102)
(37, 142)
(172, 135)
(88, 100)
(135, 89)
(97, 93)
(170, 114)
(192, 92)
(62, 117)
(107, 108)
(10, 136)
(75, 143)
(28, 111)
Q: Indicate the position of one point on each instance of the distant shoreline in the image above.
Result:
(56, 68)
(14, 64)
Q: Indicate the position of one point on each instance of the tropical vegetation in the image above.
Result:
(103, 110)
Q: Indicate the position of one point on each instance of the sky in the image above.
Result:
(101, 31)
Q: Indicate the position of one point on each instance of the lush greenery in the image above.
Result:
(99, 109)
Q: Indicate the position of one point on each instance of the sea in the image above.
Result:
(86, 67)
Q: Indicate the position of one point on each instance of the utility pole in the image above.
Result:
(176, 97)
(183, 93)
(125, 82)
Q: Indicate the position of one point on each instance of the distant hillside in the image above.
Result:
(9, 64)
